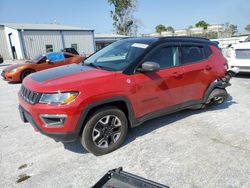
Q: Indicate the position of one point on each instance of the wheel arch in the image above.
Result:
(122, 103)
(26, 70)
(219, 85)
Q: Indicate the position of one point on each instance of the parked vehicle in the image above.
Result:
(238, 55)
(70, 50)
(1, 59)
(121, 86)
(17, 72)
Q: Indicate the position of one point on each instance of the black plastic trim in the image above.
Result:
(63, 137)
(131, 115)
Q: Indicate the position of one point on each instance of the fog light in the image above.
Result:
(53, 120)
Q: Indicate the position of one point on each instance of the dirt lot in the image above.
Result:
(205, 148)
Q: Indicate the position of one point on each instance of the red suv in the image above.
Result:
(121, 86)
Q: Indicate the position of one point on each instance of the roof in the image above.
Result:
(109, 35)
(51, 26)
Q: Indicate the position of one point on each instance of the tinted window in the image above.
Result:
(190, 54)
(67, 56)
(43, 60)
(165, 57)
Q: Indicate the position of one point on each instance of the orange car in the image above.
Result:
(17, 72)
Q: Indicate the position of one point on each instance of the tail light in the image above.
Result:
(226, 65)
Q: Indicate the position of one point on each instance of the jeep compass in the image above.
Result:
(122, 86)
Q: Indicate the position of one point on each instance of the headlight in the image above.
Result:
(58, 98)
(14, 70)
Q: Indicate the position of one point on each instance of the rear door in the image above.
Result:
(197, 70)
(161, 89)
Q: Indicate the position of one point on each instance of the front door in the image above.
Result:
(161, 89)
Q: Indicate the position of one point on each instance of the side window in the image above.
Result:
(49, 48)
(165, 57)
(191, 54)
(43, 60)
(67, 56)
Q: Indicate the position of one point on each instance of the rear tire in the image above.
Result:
(26, 73)
(217, 96)
(105, 131)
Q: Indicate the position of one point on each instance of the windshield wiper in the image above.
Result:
(94, 65)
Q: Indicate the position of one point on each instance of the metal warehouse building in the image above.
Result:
(25, 41)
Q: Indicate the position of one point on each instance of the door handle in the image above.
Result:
(208, 67)
(177, 75)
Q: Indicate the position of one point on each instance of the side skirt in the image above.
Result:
(166, 111)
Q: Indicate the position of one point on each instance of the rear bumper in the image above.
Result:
(58, 136)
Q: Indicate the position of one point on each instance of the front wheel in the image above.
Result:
(105, 131)
(26, 73)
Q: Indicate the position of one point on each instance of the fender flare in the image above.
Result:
(211, 87)
(85, 112)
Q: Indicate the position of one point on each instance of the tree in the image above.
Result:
(202, 24)
(160, 28)
(170, 29)
(230, 29)
(247, 28)
(124, 22)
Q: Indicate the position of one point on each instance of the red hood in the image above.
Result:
(65, 78)
(7, 69)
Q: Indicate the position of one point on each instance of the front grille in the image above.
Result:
(28, 95)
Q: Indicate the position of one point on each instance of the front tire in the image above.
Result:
(105, 131)
(26, 73)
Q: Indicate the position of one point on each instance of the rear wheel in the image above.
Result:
(26, 73)
(217, 96)
(105, 131)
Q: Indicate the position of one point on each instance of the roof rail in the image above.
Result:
(185, 37)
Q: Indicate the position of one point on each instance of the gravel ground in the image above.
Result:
(204, 148)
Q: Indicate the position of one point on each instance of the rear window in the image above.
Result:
(191, 54)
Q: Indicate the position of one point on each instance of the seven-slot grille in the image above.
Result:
(28, 95)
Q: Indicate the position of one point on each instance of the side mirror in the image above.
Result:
(149, 66)
(49, 61)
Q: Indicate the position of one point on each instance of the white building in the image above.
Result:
(25, 41)
(104, 39)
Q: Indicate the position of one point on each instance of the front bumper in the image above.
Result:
(58, 136)
(66, 132)
(11, 77)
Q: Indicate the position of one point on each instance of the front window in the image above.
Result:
(35, 59)
(117, 56)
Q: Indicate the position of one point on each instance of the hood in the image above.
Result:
(14, 66)
(64, 77)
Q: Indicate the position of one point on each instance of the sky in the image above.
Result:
(95, 14)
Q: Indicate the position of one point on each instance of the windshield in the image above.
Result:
(117, 56)
(35, 59)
